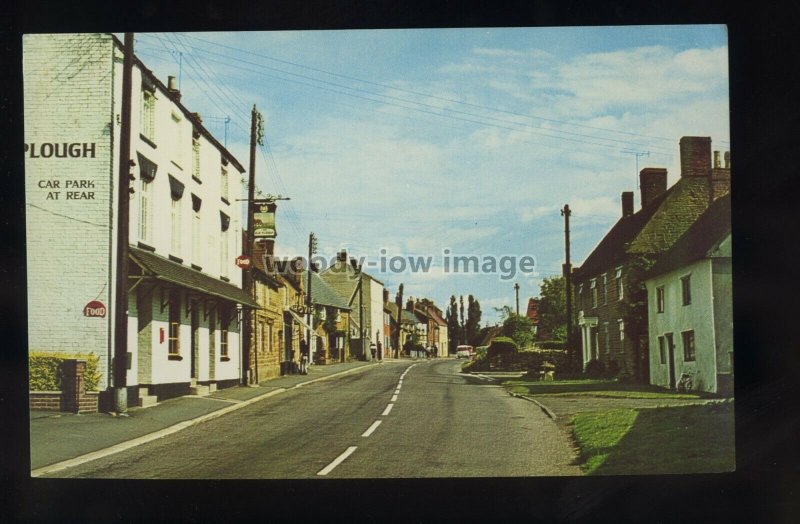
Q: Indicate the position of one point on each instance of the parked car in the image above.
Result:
(464, 352)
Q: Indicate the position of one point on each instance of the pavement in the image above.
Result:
(57, 438)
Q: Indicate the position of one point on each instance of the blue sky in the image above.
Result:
(469, 139)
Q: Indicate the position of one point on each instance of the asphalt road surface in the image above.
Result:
(400, 419)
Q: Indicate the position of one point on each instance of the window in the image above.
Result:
(196, 158)
(178, 125)
(662, 350)
(688, 346)
(225, 222)
(621, 325)
(660, 299)
(620, 290)
(605, 289)
(593, 285)
(224, 184)
(686, 290)
(175, 246)
(606, 338)
(269, 334)
(196, 230)
(323, 314)
(145, 211)
(174, 323)
(224, 321)
(147, 116)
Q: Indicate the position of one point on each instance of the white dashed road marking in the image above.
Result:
(372, 428)
(387, 410)
(338, 460)
(394, 397)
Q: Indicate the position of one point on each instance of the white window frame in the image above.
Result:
(620, 285)
(593, 286)
(686, 292)
(196, 238)
(196, 158)
(175, 229)
(224, 192)
(177, 120)
(605, 288)
(145, 211)
(660, 299)
(621, 324)
(147, 115)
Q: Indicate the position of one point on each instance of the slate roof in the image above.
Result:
(325, 295)
(699, 240)
(174, 273)
(651, 230)
(408, 316)
(391, 308)
(434, 314)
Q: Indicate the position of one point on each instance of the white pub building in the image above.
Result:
(185, 296)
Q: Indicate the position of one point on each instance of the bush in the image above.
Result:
(595, 369)
(502, 347)
(480, 352)
(45, 372)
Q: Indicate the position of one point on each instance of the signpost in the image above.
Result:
(95, 308)
(243, 261)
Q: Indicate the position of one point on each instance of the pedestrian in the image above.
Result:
(303, 357)
(380, 351)
(372, 349)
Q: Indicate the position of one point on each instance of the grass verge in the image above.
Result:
(597, 388)
(685, 439)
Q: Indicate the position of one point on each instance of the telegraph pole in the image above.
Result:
(567, 269)
(364, 349)
(120, 362)
(312, 248)
(516, 289)
(399, 321)
(256, 137)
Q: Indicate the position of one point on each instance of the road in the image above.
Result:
(400, 419)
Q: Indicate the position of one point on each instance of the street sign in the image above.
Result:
(95, 308)
(243, 261)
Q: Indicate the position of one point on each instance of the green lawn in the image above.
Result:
(686, 439)
(597, 388)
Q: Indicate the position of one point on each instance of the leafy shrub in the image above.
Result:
(480, 352)
(595, 369)
(45, 370)
(612, 371)
(502, 347)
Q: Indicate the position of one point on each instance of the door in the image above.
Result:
(595, 342)
(670, 359)
(212, 343)
(195, 324)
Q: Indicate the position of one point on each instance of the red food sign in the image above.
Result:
(243, 261)
(95, 308)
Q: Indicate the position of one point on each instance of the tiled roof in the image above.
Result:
(702, 236)
(323, 294)
(651, 230)
(168, 271)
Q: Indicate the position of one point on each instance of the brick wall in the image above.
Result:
(68, 100)
(45, 400)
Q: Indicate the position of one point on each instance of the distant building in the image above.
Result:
(533, 315)
(690, 306)
(332, 318)
(364, 295)
(608, 285)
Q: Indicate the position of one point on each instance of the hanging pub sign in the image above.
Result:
(95, 308)
(264, 219)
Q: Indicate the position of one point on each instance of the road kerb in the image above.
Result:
(144, 439)
(547, 411)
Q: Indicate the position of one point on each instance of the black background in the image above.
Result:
(765, 119)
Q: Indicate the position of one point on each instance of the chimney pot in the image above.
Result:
(716, 159)
(171, 83)
(652, 183)
(354, 263)
(342, 257)
(627, 204)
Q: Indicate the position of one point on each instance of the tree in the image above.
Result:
(517, 327)
(453, 328)
(553, 309)
(461, 333)
(473, 325)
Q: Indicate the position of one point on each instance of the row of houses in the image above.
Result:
(654, 297)
(192, 325)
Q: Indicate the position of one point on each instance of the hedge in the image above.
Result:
(550, 344)
(45, 372)
(527, 360)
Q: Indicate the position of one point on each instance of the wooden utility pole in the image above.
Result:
(312, 248)
(516, 290)
(364, 348)
(247, 273)
(399, 321)
(120, 363)
(567, 269)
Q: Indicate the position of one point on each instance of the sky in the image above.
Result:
(471, 140)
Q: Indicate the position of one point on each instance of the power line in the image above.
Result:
(525, 127)
(444, 99)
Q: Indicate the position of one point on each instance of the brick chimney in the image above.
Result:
(385, 296)
(354, 263)
(695, 156)
(410, 304)
(627, 204)
(720, 177)
(342, 256)
(652, 183)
